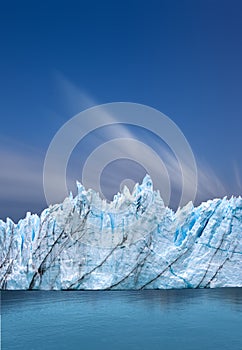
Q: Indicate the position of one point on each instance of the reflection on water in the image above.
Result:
(157, 298)
(167, 319)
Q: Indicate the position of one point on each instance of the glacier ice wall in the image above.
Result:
(134, 242)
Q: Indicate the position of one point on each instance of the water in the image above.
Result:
(172, 319)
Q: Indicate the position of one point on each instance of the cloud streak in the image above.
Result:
(21, 179)
(21, 173)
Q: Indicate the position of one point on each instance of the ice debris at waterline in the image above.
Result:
(134, 242)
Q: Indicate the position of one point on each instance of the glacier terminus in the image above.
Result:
(133, 242)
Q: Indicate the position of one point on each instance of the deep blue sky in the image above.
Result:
(180, 57)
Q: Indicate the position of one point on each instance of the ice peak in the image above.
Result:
(147, 182)
(80, 187)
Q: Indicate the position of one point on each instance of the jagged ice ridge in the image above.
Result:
(134, 242)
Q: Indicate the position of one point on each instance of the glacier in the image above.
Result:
(133, 242)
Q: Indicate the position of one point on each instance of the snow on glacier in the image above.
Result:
(134, 242)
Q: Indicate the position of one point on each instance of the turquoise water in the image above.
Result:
(172, 319)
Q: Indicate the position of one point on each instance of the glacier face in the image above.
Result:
(134, 242)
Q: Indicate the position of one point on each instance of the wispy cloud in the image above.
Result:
(21, 177)
(21, 172)
(210, 185)
(20, 183)
(237, 176)
(73, 98)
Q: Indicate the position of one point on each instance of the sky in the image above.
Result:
(58, 58)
